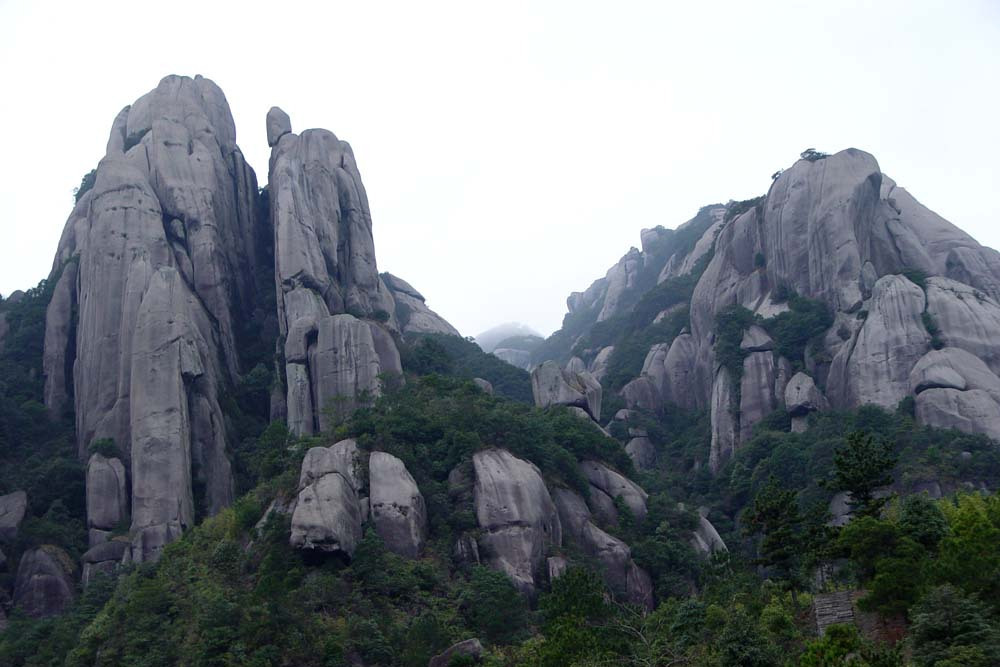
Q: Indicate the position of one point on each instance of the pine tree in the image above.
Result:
(776, 517)
(862, 466)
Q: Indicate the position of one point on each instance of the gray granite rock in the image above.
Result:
(616, 486)
(722, 420)
(802, 396)
(44, 583)
(516, 515)
(468, 648)
(411, 312)
(642, 452)
(107, 493)
(398, 509)
(552, 385)
(484, 385)
(973, 411)
(278, 125)
(12, 508)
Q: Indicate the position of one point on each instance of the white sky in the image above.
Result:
(512, 151)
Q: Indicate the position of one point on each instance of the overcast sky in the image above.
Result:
(512, 151)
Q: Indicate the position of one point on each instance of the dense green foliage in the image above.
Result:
(459, 357)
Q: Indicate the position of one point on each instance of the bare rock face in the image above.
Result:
(325, 268)
(158, 262)
(966, 317)
(107, 495)
(552, 385)
(104, 558)
(328, 514)
(757, 391)
(705, 538)
(724, 424)
(619, 279)
(44, 585)
(880, 356)
(973, 411)
(802, 395)
(616, 486)
(469, 648)
(398, 509)
(642, 452)
(12, 509)
(484, 385)
(411, 312)
(516, 515)
(599, 365)
(624, 578)
(641, 394)
(953, 368)
(679, 386)
(756, 339)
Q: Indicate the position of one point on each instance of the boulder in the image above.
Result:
(12, 509)
(556, 565)
(342, 457)
(552, 385)
(346, 367)
(469, 648)
(973, 411)
(44, 583)
(952, 368)
(104, 558)
(398, 509)
(484, 385)
(756, 339)
(327, 517)
(107, 496)
(623, 577)
(705, 538)
(679, 386)
(516, 515)
(641, 394)
(278, 125)
(616, 486)
(620, 279)
(642, 452)
(802, 396)
(412, 313)
(519, 358)
(599, 366)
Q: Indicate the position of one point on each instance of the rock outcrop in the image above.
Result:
(552, 385)
(397, 506)
(107, 497)
(615, 485)
(623, 577)
(104, 558)
(328, 515)
(516, 515)
(705, 538)
(12, 508)
(801, 398)
(44, 585)
(155, 267)
(326, 275)
(724, 424)
(469, 649)
(412, 314)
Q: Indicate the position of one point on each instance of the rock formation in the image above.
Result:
(614, 485)
(327, 277)
(516, 515)
(154, 268)
(12, 509)
(552, 385)
(107, 497)
(623, 577)
(397, 506)
(328, 515)
(44, 585)
(413, 316)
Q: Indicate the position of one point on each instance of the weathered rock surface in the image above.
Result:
(158, 261)
(756, 339)
(484, 385)
(552, 385)
(397, 506)
(973, 411)
(802, 396)
(328, 514)
(705, 538)
(619, 279)
(107, 495)
(342, 457)
(104, 558)
(875, 365)
(642, 452)
(622, 576)
(469, 648)
(724, 424)
(519, 358)
(325, 268)
(757, 391)
(44, 583)
(599, 365)
(516, 515)
(616, 486)
(966, 317)
(12, 509)
(411, 312)
(641, 394)
(278, 124)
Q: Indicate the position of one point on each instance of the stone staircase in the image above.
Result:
(832, 608)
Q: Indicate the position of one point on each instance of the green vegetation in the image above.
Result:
(460, 357)
(86, 183)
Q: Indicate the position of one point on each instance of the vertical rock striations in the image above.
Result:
(326, 276)
(156, 266)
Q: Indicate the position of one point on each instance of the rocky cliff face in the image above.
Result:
(155, 265)
(897, 280)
